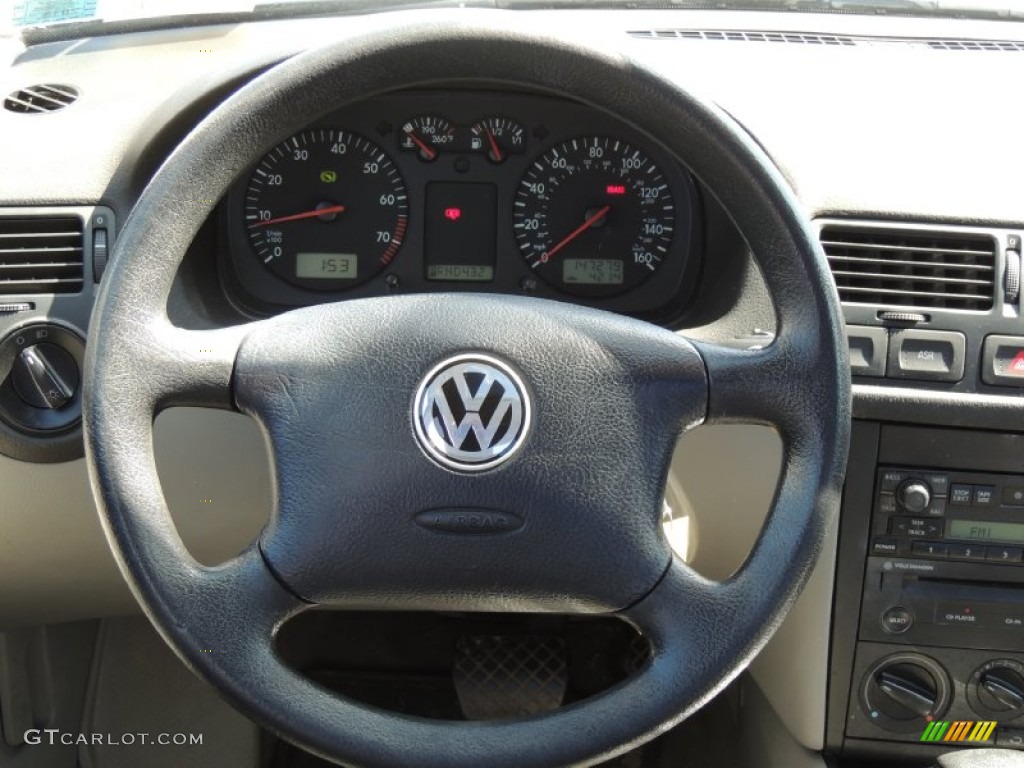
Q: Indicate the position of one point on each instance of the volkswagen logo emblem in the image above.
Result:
(471, 413)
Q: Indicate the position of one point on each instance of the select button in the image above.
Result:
(897, 620)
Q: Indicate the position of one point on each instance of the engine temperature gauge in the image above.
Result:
(427, 136)
(497, 138)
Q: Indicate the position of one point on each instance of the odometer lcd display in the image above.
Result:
(592, 271)
(470, 273)
(985, 530)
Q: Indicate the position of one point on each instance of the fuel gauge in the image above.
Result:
(497, 138)
(427, 136)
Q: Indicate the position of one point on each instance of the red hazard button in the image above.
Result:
(1002, 361)
(1017, 366)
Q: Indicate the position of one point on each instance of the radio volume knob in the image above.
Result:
(914, 496)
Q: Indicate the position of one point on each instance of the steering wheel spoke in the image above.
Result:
(769, 386)
(179, 367)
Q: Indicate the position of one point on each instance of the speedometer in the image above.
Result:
(594, 217)
(326, 209)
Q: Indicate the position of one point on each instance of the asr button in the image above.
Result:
(927, 355)
(897, 620)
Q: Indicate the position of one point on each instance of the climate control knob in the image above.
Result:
(914, 496)
(996, 689)
(901, 693)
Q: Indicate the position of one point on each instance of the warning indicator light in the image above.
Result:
(616, 189)
(453, 214)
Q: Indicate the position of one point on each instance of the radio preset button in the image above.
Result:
(961, 495)
(1003, 554)
(929, 548)
(967, 551)
(897, 620)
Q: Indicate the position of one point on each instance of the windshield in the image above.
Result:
(19, 15)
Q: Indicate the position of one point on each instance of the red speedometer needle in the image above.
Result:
(296, 216)
(426, 148)
(591, 221)
(494, 147)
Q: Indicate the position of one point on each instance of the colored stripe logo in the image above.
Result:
(959, 730)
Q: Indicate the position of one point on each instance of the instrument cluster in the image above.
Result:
(429, 191)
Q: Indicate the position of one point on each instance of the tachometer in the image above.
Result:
(326, 209)
(594, 217)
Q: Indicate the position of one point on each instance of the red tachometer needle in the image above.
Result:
(498, 157)
(591, 221)
(427, 150)
(296, 216)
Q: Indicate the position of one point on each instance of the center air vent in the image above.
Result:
(911, 268)
(41, 254)
(34, 99)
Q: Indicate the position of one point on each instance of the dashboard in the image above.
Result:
(479, 187)
(464, 190)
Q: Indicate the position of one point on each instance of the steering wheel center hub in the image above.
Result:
(472, 413)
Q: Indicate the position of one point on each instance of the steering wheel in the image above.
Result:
(349, 396)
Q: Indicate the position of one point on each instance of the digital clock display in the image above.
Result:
(986, 530)
(593, 271)
(326, 266)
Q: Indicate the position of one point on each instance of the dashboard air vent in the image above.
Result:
(911, 268)
(743, 36)
(36, 99)
(810, 38)
(41, 254)
(975, 45)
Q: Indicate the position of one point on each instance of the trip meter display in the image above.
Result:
(594, 217)
(326, 209)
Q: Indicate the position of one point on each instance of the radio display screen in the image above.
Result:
(985, 530)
